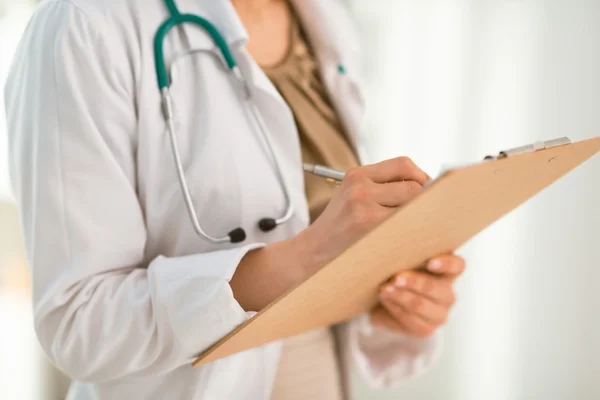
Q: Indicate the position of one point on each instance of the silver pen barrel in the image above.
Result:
(325, 172)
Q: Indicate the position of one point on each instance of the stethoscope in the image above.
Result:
(266, 224)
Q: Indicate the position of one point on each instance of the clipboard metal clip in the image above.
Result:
(540, 145)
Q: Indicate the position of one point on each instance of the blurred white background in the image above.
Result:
(448, 81)
(452, 81)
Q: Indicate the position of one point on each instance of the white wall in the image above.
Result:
(455, 80)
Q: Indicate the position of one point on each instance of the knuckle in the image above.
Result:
(358, 194)
(413, 303)
(399, 313)
(418, 282)
(462, 265)
(424, 330)
(428, 330)
(421, 333)
(452, 299)
(402, 299)
(414, 187)
(428, 286)
(444, 319)
(405, 162)
(409, 189)
(354, 175)
(359, 209)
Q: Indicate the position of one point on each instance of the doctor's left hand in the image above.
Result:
(417, 303)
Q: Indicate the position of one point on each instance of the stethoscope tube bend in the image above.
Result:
(237, 235)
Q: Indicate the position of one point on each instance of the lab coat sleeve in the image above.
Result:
(102, 309)
(386, 359)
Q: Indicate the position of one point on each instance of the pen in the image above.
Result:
(540, 145)
(330, 174)
(333, 175)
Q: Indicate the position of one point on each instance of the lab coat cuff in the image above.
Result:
(195, 299)
(385, 359)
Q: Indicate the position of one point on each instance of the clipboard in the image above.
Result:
(451, 210)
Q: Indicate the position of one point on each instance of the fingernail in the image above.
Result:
(400, 281)
(434, 265)
(387, 291)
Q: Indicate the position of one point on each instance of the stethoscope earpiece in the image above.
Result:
(267, 224)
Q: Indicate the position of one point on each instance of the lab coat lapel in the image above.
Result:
(336, 45)
(223, 15)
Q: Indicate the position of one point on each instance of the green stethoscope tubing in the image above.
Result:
(176, 18)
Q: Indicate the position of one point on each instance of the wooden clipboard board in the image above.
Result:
(453, 209)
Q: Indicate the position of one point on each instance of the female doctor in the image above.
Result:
(159, 177)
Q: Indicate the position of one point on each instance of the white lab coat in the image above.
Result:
(125, 293)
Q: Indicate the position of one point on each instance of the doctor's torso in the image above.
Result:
(231, 177)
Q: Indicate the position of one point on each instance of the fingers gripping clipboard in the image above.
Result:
(450, 211)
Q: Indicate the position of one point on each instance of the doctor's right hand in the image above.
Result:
(367, 196)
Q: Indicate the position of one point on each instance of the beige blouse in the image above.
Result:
(309, 366)
(322, 137)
